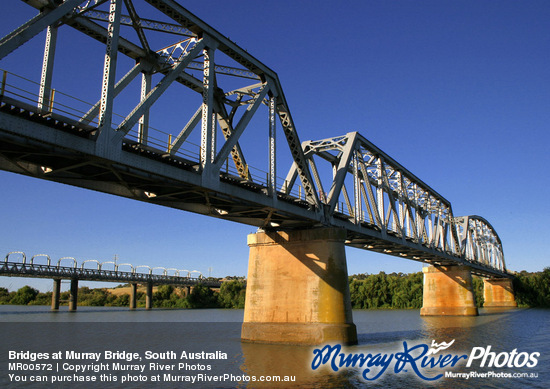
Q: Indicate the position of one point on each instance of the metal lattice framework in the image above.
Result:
(370, 189)
(22, 268)
(227, 102)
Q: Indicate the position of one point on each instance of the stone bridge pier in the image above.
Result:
(448, 291)
(498, 292)
(297, 288)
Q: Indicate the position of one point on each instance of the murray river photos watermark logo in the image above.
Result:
(427, 362)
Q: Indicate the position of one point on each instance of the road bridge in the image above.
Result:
(16, 265)
(341, 191)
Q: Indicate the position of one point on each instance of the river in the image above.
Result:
(162, 334)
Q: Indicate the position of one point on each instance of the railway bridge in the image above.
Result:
(217, 154)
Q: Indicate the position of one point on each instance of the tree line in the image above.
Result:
(230, 295)
(403, 291)
(367, 291)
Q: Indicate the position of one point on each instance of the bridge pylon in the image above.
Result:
(73, 296)
(498, 292)
(448, 291)
(297, 288)
(56, 294)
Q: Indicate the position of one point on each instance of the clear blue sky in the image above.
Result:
(456, 91)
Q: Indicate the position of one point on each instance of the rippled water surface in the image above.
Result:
(382, 332)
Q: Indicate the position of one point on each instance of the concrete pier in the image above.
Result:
(149, 296)
(498, 292)
(133, 296)
(448, 291)
(297, 288)
(56, 294)
(73, 297)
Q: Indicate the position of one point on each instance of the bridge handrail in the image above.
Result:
(259, 176)
(72, 272)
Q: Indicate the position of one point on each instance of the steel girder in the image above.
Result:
(479, 241)
(382, 205)
(386, 197)
(195, 44)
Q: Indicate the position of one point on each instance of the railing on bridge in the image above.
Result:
(22, 268)
(220, 90)
(18, 92)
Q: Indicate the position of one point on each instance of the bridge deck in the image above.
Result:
(17, 269)
(234, 200)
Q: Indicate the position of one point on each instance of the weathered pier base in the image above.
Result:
(73, 297)
(56, 294)
(297, 288)
(498, 292)
(149, 296)
(133, 296)
(448, 291)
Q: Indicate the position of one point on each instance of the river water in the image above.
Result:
(161, 334)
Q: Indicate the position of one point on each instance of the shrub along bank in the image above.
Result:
(367, 291)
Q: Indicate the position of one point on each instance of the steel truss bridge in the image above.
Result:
(19, 267)
(222, 111)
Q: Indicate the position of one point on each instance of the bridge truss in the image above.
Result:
(222, 107)
(19, 267)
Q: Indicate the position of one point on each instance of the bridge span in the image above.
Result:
(340, 191)
(19, 266)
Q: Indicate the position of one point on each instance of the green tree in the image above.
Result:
(201, 297)
(24, 296)
(395, 290)
(42, 299)
(232, 294)
(5, 296)
(163, 292)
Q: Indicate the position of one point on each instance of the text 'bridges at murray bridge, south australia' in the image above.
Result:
(220, 107)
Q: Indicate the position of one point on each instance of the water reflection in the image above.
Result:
(285, 360)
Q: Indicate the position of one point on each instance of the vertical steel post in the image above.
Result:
(4, 78)
(143, 130)
(44, 99)
(331, 194)
(356, 189)
(380, 194)
(272, 184)
(208, 126)
(109, 69)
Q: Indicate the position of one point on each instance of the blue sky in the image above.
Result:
(456, 91)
